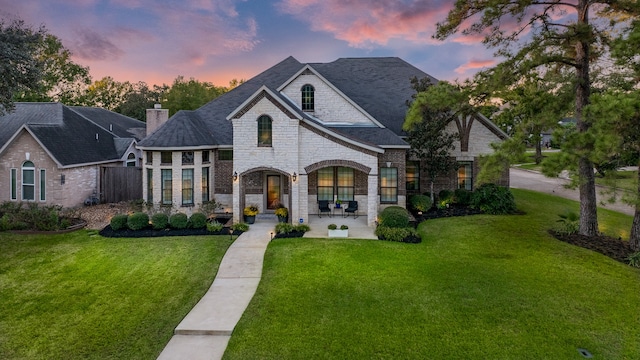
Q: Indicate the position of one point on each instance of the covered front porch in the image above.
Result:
(358, 227)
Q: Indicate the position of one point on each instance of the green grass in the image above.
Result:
(478, 287)
(626, 180)
(81, 296)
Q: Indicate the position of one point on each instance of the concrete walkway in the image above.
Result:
(533, 180)
(204, 333)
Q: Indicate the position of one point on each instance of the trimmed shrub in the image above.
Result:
(283, 228)
(420, 202)
(119, 221)
(332, 226)
(160, 221)
(394, 217)
(303, 228)
(240, 227)
(462, 197)
(138, 221)
(179, 221)
(493, 199)
(214, 226)
(445, 195)
(198, 220)
(396, 234)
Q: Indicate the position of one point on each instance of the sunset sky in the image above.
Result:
(218, 40)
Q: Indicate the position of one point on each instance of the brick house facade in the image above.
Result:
(299, 133)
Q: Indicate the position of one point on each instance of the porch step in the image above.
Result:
(266, 217)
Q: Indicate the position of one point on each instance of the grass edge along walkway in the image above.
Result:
(484, 286)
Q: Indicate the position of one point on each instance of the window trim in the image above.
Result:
(187, 187)
(14, 184)
(307, 98)
(463, 165)
(415, 176)
(393, 188)
(131, 160)
(263, 129)
(166, 192)
(205, 184)
(149, 186)
(163, 155)
(31, 168)
(43, 185)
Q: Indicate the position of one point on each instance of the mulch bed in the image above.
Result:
(614, 248)
(292, 234)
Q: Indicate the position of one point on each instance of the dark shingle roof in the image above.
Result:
(214, 114)
(122, 126)
(381, 86)
(71, 138)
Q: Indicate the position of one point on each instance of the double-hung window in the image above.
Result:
(388, 185)
(345, 183)
(465, 176)
(28, 181)
(187, 186)
(166, 184)
(325, 184)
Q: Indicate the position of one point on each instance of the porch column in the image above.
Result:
(300, 201)
(372, 200)
(237, 212)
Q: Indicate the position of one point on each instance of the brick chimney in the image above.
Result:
(156, 117)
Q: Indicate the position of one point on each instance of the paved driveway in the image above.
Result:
(531, 180)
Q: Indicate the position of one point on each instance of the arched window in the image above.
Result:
(131, 160)
(28, 181)
(264, 131)
(307, 98)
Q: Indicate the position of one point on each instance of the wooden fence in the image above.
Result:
(120, 184)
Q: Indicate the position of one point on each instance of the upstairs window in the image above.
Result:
(131, 160)
(187, 158)
(205, 156)
(264, 131)
(166, 158)
(307, 98)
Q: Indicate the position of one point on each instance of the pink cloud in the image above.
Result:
(365, 23)
(90, 45)
(474, 65)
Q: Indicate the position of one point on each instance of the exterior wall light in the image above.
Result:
(235, 175)
(295, 176)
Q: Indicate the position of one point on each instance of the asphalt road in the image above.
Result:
(531, 180)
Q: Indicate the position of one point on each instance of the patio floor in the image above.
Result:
(358, 228)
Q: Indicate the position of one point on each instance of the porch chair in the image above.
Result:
(352, 208)
(323, 206)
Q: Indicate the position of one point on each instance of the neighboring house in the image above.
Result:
(53, 154)
(299, 133)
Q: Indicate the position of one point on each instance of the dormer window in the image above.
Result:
(307, 98)
(264, 131)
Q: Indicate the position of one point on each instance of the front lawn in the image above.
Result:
(82, 296)
(477, 287)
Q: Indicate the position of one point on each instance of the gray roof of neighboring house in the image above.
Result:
(380, 86)
(72, 137)
(122, 126)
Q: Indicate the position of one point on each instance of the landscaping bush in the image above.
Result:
(462, 197)
(160, 221)
(198, 220)
(5, 223)
(569, 223)
(240, 227)
(283, 228)
(179, 221)
(119, 221)
(214, 226)
(445, 195)
(303, 228)
(493, 199)
(332, 226)
(420, 202)
(406, 234)
(394, 217)
(138, 221)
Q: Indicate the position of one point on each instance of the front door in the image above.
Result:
(273, 191)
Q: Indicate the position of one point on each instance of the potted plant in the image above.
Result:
(338, 204)
(250, 213)
(282, 213)
(343, 232)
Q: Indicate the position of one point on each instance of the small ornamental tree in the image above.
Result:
(426, 123)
